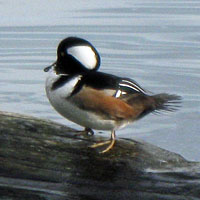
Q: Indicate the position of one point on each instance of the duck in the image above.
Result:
(96, 100)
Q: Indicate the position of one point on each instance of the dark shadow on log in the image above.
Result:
(44, 160)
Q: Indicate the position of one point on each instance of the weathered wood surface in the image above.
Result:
(43, 160)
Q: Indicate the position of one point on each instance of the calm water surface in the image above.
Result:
(157, 44)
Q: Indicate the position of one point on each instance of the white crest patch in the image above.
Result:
(84, 54)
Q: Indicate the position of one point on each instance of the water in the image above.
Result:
(156, 43)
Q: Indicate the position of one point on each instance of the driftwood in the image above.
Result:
(41, 159)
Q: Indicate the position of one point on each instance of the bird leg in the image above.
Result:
(86, 131)
(111, 143)
(110, 146)
(89, 131)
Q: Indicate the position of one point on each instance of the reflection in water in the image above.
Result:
(155, 44)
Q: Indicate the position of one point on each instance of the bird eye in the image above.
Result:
(62, 53)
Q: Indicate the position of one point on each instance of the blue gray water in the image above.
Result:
(156, 43)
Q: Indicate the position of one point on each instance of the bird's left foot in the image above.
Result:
(110, 146)
(111, 143)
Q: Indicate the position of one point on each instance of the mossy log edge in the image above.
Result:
(41, 159)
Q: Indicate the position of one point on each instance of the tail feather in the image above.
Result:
(154, 103)
(166, 102)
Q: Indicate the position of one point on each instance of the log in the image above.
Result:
(41, 159)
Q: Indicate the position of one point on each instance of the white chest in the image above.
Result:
(58, 99)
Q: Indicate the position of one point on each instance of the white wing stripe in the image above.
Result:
(129, 86)
(118, 93)
(132, 85)
(127, 81)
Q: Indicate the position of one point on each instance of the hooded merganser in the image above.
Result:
(97, 100)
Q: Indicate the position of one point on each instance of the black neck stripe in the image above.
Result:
(60, 82)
